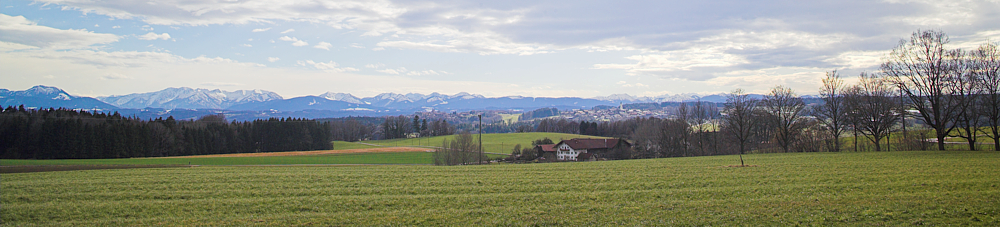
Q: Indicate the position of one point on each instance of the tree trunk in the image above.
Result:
(940, 141)
(996, 143)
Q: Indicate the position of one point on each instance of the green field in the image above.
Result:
(355, 158)
(343, 145)
(870, 188)
(510, 118)
(493, 142)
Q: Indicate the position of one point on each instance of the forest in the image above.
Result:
(70, 134)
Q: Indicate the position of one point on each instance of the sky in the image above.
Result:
(562, 48)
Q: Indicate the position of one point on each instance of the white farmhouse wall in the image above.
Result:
(566, 153)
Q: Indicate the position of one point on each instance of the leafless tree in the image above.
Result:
(682, 116)
(699, 121)
(921, 68)
(785, 109)
(851, 115)
(739, 119)
(874, 108)
(986, 66)
(832, 111)
(969, 94)
(459, 151)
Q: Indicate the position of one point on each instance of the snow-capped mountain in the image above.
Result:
(344, 97)
(624, 98)
(188, 98)
(49, 97)
(387, 99)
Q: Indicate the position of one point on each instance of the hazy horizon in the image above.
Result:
(495, 49)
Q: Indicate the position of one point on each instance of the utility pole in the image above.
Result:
(902, 112)
(480, 138)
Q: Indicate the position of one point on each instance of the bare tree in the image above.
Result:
(785, 109)
(682, 116)
(874, 107)
(986, 66)
(739, 119)
(921, 69)
(459, 151)
(851, 115)
(968, 93)
(832, 111)
(699, 120)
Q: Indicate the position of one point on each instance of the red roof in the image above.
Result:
(548, 147)
(577, 144)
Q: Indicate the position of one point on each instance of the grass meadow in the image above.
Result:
(847, 188)
(355, 158)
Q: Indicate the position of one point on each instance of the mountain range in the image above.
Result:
(341, 104)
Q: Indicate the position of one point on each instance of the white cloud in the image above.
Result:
(323, 45)
(154, 36)
(273, 59)
(391, 71)
(247, 45)
(357, 45)
(295, 41)
(328, 66)
(116, 26)
(858, 59)
(222, 84)
(115, 76)
(422, 73)
(403, 71)
(260, 29)
(97, 25)
(287, 31)
(17, 29)
(146, 28)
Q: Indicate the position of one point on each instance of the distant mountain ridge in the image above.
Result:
(263, 104)
(45, 97)
(188, 98)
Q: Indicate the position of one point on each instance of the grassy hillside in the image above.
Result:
(874, 188)
(494, 142)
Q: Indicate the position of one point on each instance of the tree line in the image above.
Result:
(70, 134)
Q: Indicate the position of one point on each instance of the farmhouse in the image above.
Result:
(546, 151)
(586, 149)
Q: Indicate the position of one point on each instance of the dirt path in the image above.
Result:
(322, 152)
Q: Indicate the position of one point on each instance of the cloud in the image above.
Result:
(391, 71)
(247, 45)
(287, 31)
(273, 59)
(260, 29)
(115, 76)
(323, 45)
(328, 66)
(154, 36)
(97, 25)
(17, 29)
(221, 84)
(116, 26)
(295, 41)
(357, 45)
(403, 71)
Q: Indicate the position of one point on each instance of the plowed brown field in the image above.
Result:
(322, 152)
